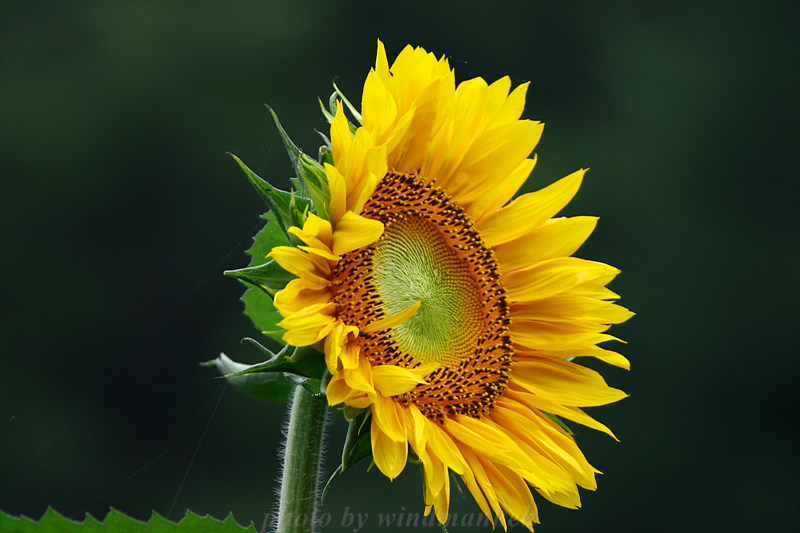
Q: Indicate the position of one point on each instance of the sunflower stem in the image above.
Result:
(302, 461)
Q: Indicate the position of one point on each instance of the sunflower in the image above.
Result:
(448, 312)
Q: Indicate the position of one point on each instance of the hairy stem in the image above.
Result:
(301, 463)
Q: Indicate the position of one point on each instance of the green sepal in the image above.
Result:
(269, 277)
(560, 422)
(326, 155)
(357, 446)
(328, 114)
(313, 183)
(287, 206)
(116, 522)
(317, 187)
(455, 481)
(353, 111)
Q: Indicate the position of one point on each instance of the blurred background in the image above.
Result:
(120, 210)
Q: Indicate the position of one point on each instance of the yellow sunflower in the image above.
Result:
(449, 312)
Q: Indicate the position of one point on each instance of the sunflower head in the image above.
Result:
(450, 316)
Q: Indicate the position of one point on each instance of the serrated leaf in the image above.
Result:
(266, 239)
(258, 301)
(259, 307)
(116, 522)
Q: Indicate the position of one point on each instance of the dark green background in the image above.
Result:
(120, 210)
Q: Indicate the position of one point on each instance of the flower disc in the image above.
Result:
(429, 253)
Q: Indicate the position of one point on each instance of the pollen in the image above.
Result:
(429, 253)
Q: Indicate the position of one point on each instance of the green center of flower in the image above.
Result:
(412, 262)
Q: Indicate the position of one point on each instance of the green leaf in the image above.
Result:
(259, 307)
(266, 239)
(275, 378)
(304, 362)
(273, 387)
(289, 209)
(270, 276)
(258, 300)
(116, 522)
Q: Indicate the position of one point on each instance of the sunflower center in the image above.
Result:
(429, 253)
(413, 262)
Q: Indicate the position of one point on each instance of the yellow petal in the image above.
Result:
(338, 391)
(391, 380)
(530, 211)
(378, 107)
(360, 378)
(441, 502)
(498, 92)
(494, 156)
(434, 473)
(297, 296)
(565, 382)
(558, 238)
(341, 348)
(300, 264)
(321, 252)
(443, 446)
(514, 104)
(495, 445)
(381, 63)
(391, 321)
(389, 455)
(574, 414)
(607, 356)
(512, 492)
(531, 428)
(385, 414)
(483, 481)
(545, 472)
(451, 145)
(542, 339)
(354, 232)
(487, 204)
(477, 494)
(306, 336)
(316, 232)
(337, 188)
(416, 424)
(551, 277)
(341, 138)
(569, 307)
